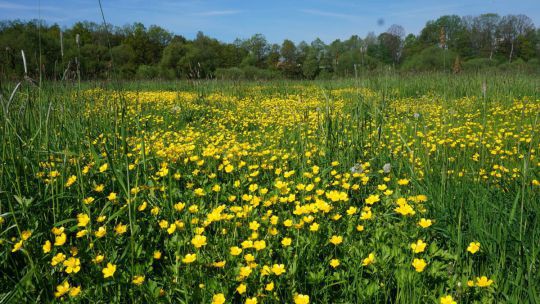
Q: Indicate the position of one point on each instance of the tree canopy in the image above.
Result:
(97, 52)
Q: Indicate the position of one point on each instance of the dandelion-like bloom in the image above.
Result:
(138, 280)
(73, 265)
(447, 300)
(218, 299)
(336, 240)
(109, 270)
(62, 289)
(278, 269)
(251, 300)
(424, 223)
(241, 288)
(419, 265)
(418, 247)
(301, 299)
(483, 282)
(189, 258)
(473, 247)
(369, 260)
(198, 241)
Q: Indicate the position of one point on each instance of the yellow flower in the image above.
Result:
(229, 168)
(334, 263)
(103, 167)
(198, 241)
(163, 224)
(109, 270)
(251, 300)
(418, 247)
(447, 300)
(245, 271)
(403, 182)
(483, 282)
(99, 188)
(189, 258)
(241, 288)
(419, 265)
(269, 286)
(101, 232)
(71, 180)
(88, 200)
(278, 269)
(369, 260)
(60, 239)
(372, 199)
(314, 227)
(336, 240)
(247, 244)
(74, 291)
(81, 233)
(120, 228)
(249, 257)
(62, 289)
(142, 206)
(17, 246)
(138, 280)
(360, 228)
(218, 299)
(72, 265)
(254, 225)
(199, 192)
(259, 245)
(112, 197)
(26, 234)
(405, 210)
(366, 214)
(157, 255)
(301, 299)
(98, 259)
(47, 247)
(219, 264)
(57, 231)
(82, 219)
(193, 208)
(236, 250)
(286, 242)
(58, 258)
(179, 206)
(424, 223)
(473, 247)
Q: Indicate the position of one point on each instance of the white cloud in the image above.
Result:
(328, 14)
(20, 7)
(218, 13)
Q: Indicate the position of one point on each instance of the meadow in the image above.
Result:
(385, 189)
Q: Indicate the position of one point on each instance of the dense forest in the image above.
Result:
(94, 51)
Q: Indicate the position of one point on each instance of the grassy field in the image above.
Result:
(393, 189)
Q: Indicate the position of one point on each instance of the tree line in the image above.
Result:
(89, 50)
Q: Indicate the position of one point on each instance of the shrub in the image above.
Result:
(430, 59)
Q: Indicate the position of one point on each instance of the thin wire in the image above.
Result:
(107, 35)
(39, 40)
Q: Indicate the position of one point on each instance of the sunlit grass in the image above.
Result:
(373, 190)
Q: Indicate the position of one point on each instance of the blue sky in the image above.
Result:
(276, 19)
